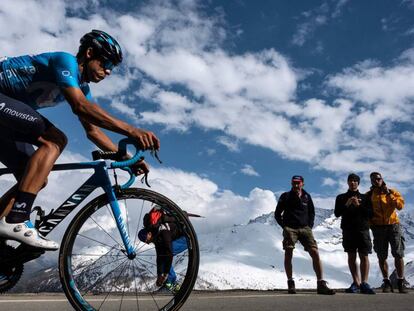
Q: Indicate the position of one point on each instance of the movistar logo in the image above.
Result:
(15, 113)
(20, 205)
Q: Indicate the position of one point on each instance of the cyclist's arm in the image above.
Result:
(98, 137)
(92, 113)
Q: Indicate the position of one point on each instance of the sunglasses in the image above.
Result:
(107, 64)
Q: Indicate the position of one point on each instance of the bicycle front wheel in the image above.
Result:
(96, 273)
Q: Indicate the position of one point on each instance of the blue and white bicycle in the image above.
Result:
(102, 263)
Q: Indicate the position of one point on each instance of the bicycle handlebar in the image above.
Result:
(125, 164)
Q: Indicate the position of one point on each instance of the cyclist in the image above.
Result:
(169, 241)
(31, 82)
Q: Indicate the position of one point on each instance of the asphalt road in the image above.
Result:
(240, 300)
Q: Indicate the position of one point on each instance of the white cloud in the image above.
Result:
(330, 182)
(231, 144)
(249, 170)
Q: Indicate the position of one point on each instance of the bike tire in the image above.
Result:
(74, 272)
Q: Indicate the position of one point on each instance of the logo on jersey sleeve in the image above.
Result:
(66, 73)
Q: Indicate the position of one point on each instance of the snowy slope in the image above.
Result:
(251, 256)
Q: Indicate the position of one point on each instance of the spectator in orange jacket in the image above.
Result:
(386, 229)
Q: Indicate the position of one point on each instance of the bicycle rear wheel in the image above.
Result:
(96, 273)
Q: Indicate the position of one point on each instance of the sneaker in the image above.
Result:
(366, 289)
(387, 286)
(173, 287)
(402, 288)
(354, 288)
(291, 287)
(323, 289)
(25, 232)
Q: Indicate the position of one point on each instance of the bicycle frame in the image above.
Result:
(100, 178)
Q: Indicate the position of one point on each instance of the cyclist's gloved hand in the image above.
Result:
(161, 279)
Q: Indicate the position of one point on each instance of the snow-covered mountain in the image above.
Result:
(250, 256)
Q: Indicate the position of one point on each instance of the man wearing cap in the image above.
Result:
(295, 213)
(355, 213)
(386, 229)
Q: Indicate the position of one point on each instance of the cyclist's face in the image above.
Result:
(97, 68)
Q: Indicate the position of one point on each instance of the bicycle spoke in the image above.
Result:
(97, 255)
(140, 215)
(147, 250)
(148, 262)
(123, 289)
(106, 232)
(102, 278)
(84, 236)
(149, 290)
(135, 283)
(99, 267)
(112, 286)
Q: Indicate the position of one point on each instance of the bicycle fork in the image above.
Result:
(120, 221)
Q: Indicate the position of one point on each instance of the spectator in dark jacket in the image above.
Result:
(355, 212)
(295, 213)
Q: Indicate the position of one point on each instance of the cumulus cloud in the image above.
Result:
(249, 170)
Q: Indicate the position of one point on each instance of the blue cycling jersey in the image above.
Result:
(36, 80)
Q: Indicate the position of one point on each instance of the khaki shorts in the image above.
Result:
(388, 235)
(303, 235)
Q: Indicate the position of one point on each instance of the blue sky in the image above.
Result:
(245, 94)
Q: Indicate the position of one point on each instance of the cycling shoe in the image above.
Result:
(25, 232)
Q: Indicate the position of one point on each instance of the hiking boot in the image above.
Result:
(354, 288)
(291, 287)
(26, 233)
(402, 288)
(366, 289)
(323, 289)
(387, 286)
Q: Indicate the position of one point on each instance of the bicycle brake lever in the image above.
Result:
(154, 154)
(145, 179)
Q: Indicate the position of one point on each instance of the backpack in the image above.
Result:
(153, 218)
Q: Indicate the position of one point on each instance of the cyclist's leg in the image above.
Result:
(51, 144)
(178, 246)
(19, 122)
(14, 155)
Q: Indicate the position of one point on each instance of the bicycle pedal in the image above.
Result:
(40, 215)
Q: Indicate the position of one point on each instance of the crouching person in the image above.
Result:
(169, 241)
